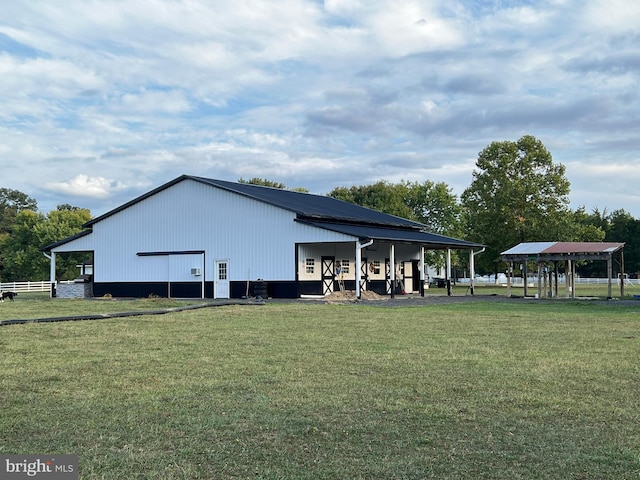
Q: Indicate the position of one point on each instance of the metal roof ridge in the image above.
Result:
(316, 218)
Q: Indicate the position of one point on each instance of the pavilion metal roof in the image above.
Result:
(560, 249)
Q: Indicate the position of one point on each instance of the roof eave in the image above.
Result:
(51, 246)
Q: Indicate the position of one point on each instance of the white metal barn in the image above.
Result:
(202, 238)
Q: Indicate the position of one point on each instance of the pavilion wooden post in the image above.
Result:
(539, 280)
(525, 278)
(555, 277)
(509, 273)
(568, 273)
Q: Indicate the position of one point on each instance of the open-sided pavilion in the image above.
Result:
(546, 253)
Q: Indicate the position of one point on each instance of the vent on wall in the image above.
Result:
(195, 271)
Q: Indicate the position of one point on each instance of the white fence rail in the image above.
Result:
(533, 279)
(22, 287)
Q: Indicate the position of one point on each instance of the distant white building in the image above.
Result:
(202, 238)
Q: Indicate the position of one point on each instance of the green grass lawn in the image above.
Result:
(310, 391)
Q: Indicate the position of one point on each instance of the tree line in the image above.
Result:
(517, 194)
(24, 230)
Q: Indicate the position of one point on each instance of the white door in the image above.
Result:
(221, 280)
(408, 277)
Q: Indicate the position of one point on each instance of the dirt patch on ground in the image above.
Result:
(350, 295)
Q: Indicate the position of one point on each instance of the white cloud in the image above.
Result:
(85, 186)
(103, 99)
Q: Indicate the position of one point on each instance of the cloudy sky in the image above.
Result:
(103, 100)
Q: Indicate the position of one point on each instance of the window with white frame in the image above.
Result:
(376, 267)
(222, 270)
(310, 265)
(344, 264)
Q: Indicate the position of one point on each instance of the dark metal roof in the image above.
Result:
(303, 204)
(433, 240)
(317, 210)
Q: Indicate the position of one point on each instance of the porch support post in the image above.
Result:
(421, 266)
(449, 271)
(52, 275)
(202, 271)
(359, 247)
(609, 275)
(621, 273)
(358, 267)
(392, 269)
(472, 271)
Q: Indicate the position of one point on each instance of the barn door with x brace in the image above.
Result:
(387, 275)
(364, 274)
(328, 274)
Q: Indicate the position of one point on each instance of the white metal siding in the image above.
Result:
(257, 238)
(180, 267)
(78, 245)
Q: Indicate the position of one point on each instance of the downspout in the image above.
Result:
(52, 273)
(472, 267)
(359, 247)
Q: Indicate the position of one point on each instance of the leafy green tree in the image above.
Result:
(20, 255)
(436, 206)
(429, 203)
(11, 203)
(381, 196)
(270, 183)
(518, 194)
(20, 250)
(584, 227)
(618, 226)
(625, 228)
(263, 182)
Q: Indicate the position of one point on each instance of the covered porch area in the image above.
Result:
(387, 261)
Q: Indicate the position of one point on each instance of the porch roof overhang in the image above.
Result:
(64, 241)
(396, 235)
